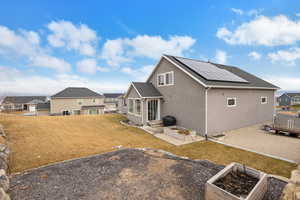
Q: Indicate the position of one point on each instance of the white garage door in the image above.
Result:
(31, 108)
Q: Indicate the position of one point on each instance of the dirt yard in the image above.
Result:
(38, 141)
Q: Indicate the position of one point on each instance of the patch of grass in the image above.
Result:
(37, 141)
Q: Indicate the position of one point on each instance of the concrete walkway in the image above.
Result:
(260, 141)
(173, 140)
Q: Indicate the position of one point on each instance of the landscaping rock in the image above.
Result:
(3, 195)
(124, 174)
(4, 180)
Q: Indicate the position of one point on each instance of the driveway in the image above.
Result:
(254, 139)
(124, 174)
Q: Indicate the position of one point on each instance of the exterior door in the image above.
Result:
(153, 109)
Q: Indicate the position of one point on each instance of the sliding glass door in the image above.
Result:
(153, 109)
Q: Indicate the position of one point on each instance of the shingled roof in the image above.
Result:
(146, 89)
(292, 94)
(253, 81)
(23, 99)
(76, 92)
(112, 95)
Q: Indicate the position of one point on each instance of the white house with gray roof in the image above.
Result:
(76, 101)
(22, 103)
(207, 97)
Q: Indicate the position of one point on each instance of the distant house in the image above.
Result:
(22, 103)
(207, 97)
(76, 101)
(288, 99)
(43, 108)
(122, 104)
(111, 101)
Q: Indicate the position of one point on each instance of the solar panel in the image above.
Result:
(210, 71)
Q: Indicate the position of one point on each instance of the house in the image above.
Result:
(22, 103)
(76, 101)
(289, 99)
(43, 108)
(206, 97)
(122, 104)
(111, 101)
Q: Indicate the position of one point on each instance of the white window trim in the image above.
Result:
(134, 108)
(164, 79)
(234, 101)
(263, 102)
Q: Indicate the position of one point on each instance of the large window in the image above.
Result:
(231, 102)
(130, 105)
(134, 106)
(138, 106)
(165, 79)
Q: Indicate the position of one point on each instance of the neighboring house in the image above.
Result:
(22, 103)
(207, 97)
(76, 101)
(289, 99)
(122, 104)
(43, 108)
(111, 101)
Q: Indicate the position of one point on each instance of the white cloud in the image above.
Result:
(66, 34)
(221, 57)
(124, 49)
(140, 74)
(89, 66)
(26, 44)
(268, 31)
(255, 55)
(289, 56)
(113, 52)
(237, 11)
(285, 82)
(155, 46)
(51, 85)
(50, 62)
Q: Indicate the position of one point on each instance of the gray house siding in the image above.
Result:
(185, 100)
(284, 100)
(137, 119)
(248, 110)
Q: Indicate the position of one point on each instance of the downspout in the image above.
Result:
(206, 90)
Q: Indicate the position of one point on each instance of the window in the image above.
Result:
(94, 100)
(263, 100)
(79, 101)
(165, 79)
(161, 79)
(169, 78)
(231, 102)
(138, 107)
(134, 106)
(130, 105)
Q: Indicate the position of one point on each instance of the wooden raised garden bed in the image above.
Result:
(236, 182)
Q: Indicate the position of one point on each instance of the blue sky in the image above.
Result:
(48, 45)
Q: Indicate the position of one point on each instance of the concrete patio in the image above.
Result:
(254, 139)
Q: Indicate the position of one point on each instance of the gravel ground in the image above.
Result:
(124, 174)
